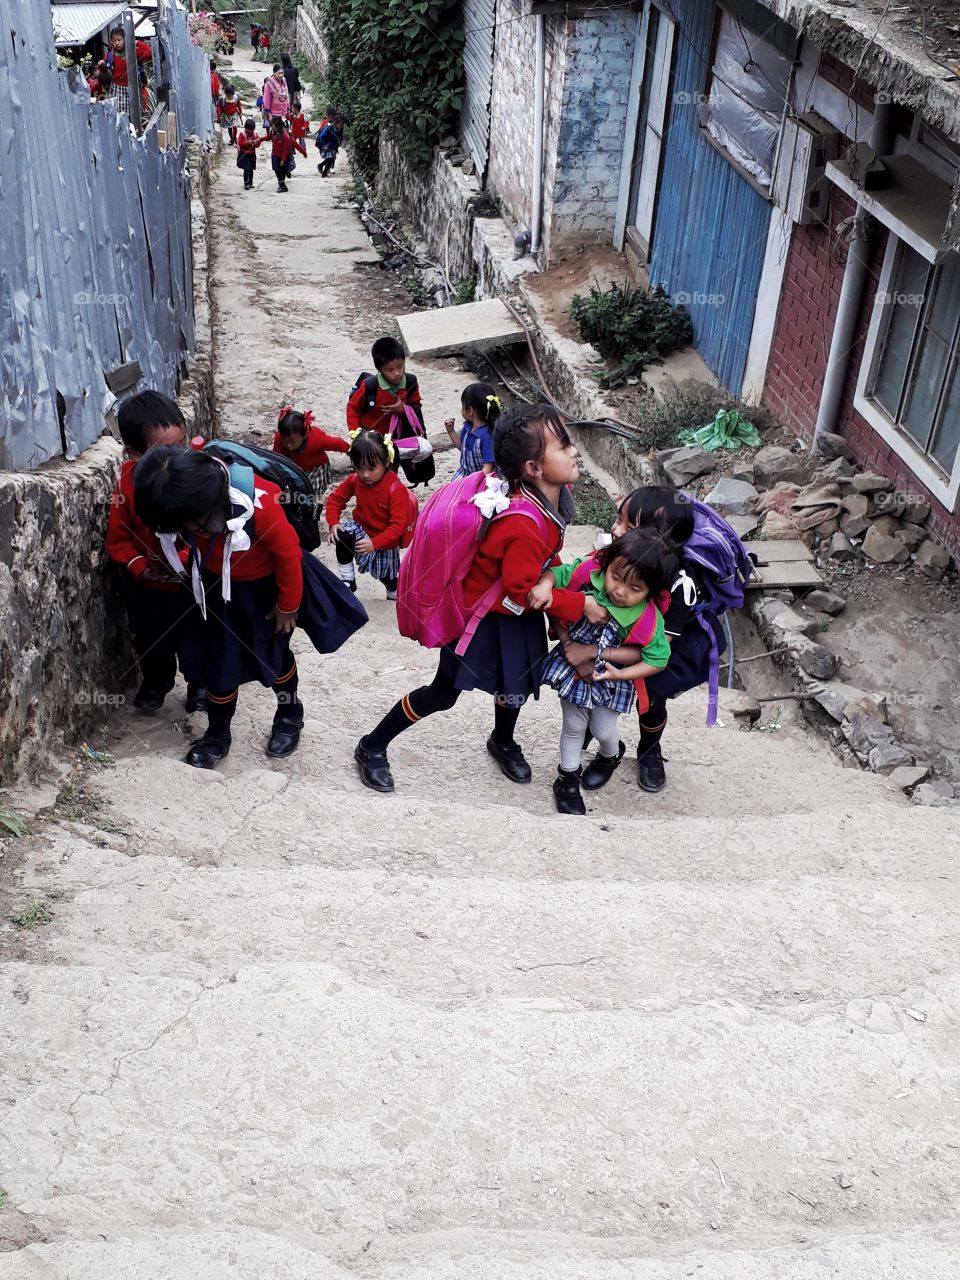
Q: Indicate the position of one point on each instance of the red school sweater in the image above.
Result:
(361, 417)
(313, 452)
(130, 542)
(283, 148)
(513, 549)
(274, 549)
(247, 143)
(383, 509)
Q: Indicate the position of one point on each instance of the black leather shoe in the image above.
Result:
(206, 752)
(149, 701)
(284, 737)
(196, 698)
(601, 769)
(374, 769)
(511, 760)
(566, 789)
(650, 772)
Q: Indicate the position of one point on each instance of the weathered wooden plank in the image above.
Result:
(791, 573)
(774, 551)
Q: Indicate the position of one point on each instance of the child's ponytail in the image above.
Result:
(483, 400)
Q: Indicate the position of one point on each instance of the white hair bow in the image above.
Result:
(494, 498)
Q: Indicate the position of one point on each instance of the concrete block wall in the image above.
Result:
(599, 59)
(798, 359)
(309, 37)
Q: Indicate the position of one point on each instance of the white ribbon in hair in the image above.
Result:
(494, 498)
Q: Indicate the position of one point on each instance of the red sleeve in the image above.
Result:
(122, 545)
(143, 51)
(355, 407)
(398, 507)
(339, 498)
(276, 535)
(333, 444)
(524, 555)
(299, 145)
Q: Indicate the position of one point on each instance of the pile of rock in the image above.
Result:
(780, 494)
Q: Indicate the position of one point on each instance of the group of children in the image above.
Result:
(214, 576)
(285, 133)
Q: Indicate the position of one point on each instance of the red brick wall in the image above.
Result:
(798, 360)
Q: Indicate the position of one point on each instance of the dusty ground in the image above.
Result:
(281, 1027)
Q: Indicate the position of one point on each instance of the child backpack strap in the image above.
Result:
(640, 634)
(581, 574)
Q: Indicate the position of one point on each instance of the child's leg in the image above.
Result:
(653, 721)
(154, 621)
(215, 743)
(371, 752)
(345, 549)
(605, 727)
(575, 721)
(288, 717)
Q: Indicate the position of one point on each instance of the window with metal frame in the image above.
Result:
(915, 372)
(747, 91)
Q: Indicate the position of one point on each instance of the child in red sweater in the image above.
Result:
(283, 149)
(155, 601)
(299, 126)
(299, 439)
(382, 516)
(247, 142)
(252, 582)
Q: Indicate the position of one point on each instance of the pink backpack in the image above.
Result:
(430, 603)
(640, 634)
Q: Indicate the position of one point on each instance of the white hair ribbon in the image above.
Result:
(493, 499)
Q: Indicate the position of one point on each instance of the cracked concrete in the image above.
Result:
(281, 1027)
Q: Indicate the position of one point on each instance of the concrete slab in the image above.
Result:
(480, 325)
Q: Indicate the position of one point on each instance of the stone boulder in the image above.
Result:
(911, 535)
(841, 548)
(780, 528)
(870, 482)
(829, 445)
(817, 661)
(908, 776)
(916, 511)
(932, 560)
(883, 549)
(732, 497)
(773, 463)
(681, 466)
(826, 601)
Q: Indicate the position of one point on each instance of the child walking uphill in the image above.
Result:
(377, 398)
(301, 440)
(155, 600)
(252, 582)
(283, 149)
(383, 514)
(504, 655)
(480, 407)
(630, 579)
(232, 113)
(247, 142)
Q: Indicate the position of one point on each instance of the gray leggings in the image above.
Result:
(603, 724)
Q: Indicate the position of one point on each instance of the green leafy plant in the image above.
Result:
(396, 69)
(627, 324)
(10, 822)
(33, 917)
(466, 291)
(418, 294)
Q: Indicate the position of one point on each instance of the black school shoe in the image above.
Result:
(196, 699)
(285, 734)
(207, 752)
(374, 769)
(148, 701)
(566, 790)
(601, 769)
(510, 758)
(650, 773)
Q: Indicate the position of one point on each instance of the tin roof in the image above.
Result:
(76, 23)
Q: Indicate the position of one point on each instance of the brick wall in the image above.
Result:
(599, 59)
(798, 360)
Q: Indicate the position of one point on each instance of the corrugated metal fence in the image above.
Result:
(478, 23)
(96, 267)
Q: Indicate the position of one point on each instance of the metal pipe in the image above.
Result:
(538, 96)
(851, 292)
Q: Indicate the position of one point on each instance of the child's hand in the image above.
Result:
(605, 672)
(540, 596)
(283, 622)
(582, 657)
(594, 612)
(335, 532)
(365, 547)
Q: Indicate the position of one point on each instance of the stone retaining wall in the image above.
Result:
(65, 657)
(309, 37)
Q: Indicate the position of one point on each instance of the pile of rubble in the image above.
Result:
(819, 499)
(845, 517)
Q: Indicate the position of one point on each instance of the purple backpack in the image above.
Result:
(723, 570)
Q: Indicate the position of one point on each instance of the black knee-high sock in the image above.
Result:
(220, 711)
(289, 706)
(505, 719)
(653, 721)
(425, 701)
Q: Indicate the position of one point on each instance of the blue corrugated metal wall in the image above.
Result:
(710, 227)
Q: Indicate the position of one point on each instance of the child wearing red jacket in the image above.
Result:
(247, 142)
(382, 515)
(301, 440)
(538, 459)
(283, 149)
(379, 397)
(155, 601)
(299, 126)
(252, 582)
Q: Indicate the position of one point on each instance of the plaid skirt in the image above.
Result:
(618, 695)
(320, 480)
(384, 565)
(120, 93)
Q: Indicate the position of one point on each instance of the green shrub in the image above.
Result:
(685, 407)
(466, 291)
(627, 324)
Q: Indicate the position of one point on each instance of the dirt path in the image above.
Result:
(279, 1027)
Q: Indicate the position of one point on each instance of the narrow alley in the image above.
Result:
(288, 1028)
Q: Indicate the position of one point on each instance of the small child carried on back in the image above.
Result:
(301, 440)
(630, 579)
(480, 407)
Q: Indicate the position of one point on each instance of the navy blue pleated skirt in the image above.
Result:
(504, 657)
(238, 644)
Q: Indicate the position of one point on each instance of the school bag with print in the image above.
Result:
(297, 497)
(724, 568)
(430, 604)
